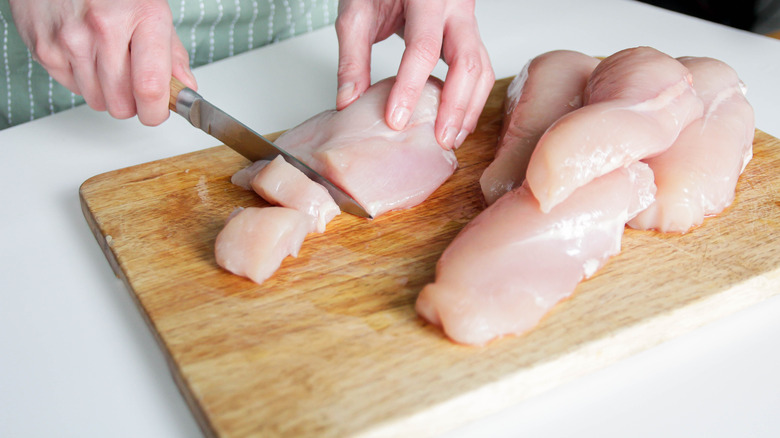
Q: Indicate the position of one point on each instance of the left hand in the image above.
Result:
(431, 29)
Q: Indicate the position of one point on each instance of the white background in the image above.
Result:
(76, 358)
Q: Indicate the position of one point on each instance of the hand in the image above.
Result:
(431, 29)
(118, 54)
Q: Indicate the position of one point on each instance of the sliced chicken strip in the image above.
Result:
(510, 265)
(548, 87)
(697, 176)
(280, 183)
(637, 102)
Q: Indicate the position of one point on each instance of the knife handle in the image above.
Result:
(176, 87)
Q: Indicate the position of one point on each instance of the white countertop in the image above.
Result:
(76, 358)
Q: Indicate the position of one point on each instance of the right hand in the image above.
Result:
(118, 54)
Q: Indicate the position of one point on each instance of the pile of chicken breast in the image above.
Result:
(587, 147)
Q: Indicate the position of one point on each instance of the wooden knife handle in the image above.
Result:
(176, 87)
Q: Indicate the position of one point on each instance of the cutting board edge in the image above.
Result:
(173, 367)
(418, 420)
(596, 355)
(97, 231)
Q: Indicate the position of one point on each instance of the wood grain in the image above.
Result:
(330, 346)
(175, 86)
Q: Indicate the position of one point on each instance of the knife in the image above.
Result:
(217, 123)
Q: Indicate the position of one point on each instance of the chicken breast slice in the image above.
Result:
(382, 169)
(510, 265)
(637, 102)
(254, 241)
(280, 183)
(243, 178)
(697, 175)
(548, 87)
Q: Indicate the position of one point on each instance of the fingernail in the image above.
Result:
(345, 93)
(400, 117)
(450, 136)
(461, 138)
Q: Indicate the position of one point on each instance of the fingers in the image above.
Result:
(478, 99)
(119, 55)
(180, 63)
(353, 28)
(481, 94)
(81, 54)
(56, 63)
(113, 72)
(431, 29)
(469, 80)
(423, 33)
(150, 58)
(449, 29)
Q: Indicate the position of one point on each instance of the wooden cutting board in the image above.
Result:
(331, 346)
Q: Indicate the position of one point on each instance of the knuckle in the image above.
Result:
(407, 93)
(153, 12)
(73, 42)
(342, 25)
(348, 66)
(350, 19)
(471, 64)
(149, 88)
(426, 48)
(459, 109)
(455, 111)
(101, 25)
(489, 77)
(180, 53)
(46, 55)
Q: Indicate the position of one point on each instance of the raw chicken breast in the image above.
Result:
(243, 178)
(637, 102)
(256, 240)
(510, 265)
(697, 176)
(382, 169)
(279, 182)
(549, 86)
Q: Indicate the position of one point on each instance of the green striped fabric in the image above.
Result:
(209, 29)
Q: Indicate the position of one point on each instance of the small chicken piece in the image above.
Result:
(243, 178)
(279, 182)
(254, 241)
(697, 176)
(381, 168)
(637, 102)
(511, 264)
(548, 87)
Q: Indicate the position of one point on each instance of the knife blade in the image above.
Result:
(217, 123)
